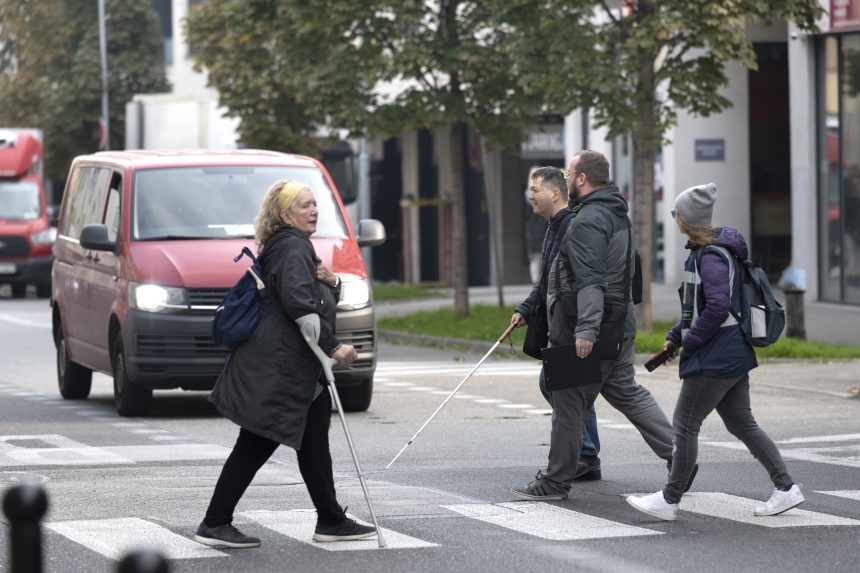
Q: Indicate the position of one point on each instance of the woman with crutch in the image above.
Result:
(715, 359)
(272, 385)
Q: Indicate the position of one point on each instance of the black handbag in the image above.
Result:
(537, 332)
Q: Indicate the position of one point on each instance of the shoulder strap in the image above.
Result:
(729, 257)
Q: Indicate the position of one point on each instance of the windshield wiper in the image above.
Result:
(178, 238)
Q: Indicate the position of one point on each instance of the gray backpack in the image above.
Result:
(762, 318)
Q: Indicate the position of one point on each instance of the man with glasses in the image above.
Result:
(595, 272)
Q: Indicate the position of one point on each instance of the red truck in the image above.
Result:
(27, 233)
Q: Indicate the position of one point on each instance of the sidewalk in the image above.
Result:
(831, 323)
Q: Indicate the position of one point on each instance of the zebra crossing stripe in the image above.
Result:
(740, 509)
(846, 493)
(548, 521)
(114, 537)
(299, 524)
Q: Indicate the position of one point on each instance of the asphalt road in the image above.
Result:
(115, 483)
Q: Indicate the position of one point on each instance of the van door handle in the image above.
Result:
(96, 258)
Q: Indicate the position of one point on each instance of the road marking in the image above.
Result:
(517, 406)
(299, 525)
(539, 412)
(740, 509)
(616, 426)
(819, 439)
(846, 493)
(548, 521)
(113, 537)
(490, 401)
(23, 322)
(805, 454)
(63, 451)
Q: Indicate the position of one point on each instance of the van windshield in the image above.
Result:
(219, 202)
(20, 200)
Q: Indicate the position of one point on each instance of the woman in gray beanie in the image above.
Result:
(715, 359)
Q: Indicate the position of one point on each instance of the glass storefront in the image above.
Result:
(839, 167)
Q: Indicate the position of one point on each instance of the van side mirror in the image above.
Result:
(370, 233)
(95, 237)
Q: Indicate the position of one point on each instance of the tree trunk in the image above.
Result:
(458, 204)
(644, 142)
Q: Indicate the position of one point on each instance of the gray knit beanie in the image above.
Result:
(696, 205)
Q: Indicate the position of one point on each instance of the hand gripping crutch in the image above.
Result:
(451, 395)
(310, 331)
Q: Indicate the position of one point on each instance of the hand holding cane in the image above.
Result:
(501, 339)
(310, 327)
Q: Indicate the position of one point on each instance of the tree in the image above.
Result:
(377, 68)
(50, 75)
(635, 63)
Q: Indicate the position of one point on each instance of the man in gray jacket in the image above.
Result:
(593, 286)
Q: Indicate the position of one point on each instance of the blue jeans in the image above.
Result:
(590, 439)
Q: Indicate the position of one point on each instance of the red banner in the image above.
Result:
(844, 15)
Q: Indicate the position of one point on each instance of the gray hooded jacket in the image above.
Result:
(590, 269)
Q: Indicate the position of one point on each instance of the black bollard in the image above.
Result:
(25, 505)
(143, 561)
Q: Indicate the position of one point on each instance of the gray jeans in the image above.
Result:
(619, 388)
(731, 397)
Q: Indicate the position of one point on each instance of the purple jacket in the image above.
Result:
(709, 348)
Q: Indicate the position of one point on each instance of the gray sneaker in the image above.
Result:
(539, 490)
(346, 530)
(224, 536)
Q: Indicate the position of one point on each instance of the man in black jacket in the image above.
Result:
(548, 195)
(594, 292)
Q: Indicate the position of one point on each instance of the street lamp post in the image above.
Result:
(103, 57)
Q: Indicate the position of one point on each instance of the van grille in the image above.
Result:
(206, 296)
(363, 342)
(177, 345)
(13, 247)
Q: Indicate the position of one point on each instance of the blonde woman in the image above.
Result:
(272, 386)
(715, 359)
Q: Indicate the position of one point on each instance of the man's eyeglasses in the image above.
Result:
(567, 174)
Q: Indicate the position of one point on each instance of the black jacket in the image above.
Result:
(268, 383)
(591, 268)
(549, 252)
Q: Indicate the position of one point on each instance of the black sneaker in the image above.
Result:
(346, 530)
(588, 469)
(690, 479)
(539, 490)
(224, 536)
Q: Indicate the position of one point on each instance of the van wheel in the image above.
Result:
(356, 398)
(74, 380)
(19, 290)
(131, 399)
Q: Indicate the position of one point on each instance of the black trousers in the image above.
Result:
(252, 451)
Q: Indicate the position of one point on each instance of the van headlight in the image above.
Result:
(46, 237)
(354, 294)
(156, 298)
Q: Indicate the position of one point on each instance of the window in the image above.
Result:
(112, 209)
(87, 189)
(839, 167)
(219, 202)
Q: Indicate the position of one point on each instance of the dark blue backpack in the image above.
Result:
(240, 311)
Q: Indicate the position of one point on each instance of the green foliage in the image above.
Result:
(286, 68)
(685, 43)
(486, 323)
(50, 74)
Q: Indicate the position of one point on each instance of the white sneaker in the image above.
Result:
(781, 501)
(655, 505)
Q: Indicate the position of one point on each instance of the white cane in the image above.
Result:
(310, 331)
(451, 395)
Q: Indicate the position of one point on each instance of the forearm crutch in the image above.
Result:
(451, 395)
(310, 331)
